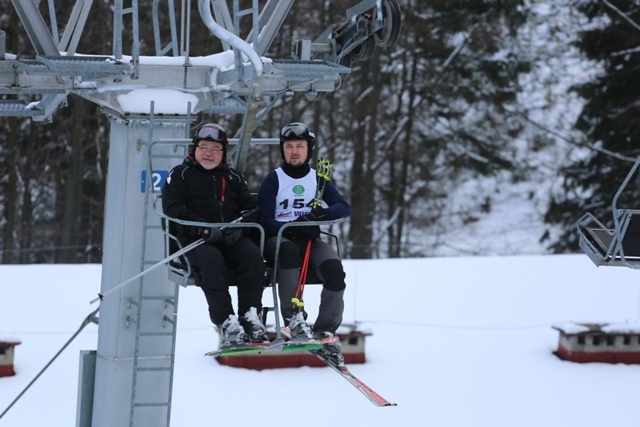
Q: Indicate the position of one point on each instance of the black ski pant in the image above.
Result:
(219, 267)
(325, 263)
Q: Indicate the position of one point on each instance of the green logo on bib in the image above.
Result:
(298, 189)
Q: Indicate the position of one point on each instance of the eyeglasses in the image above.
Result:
(211, 133)
(296, 131)
(214, 150)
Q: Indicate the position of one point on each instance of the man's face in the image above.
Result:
(209, 154)
(295, 151)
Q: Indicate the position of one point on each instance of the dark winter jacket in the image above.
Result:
(337, 206)
(193, 193)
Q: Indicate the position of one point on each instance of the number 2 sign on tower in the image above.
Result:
(158, 178)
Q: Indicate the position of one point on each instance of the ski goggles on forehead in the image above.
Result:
(295, 130)
(213, 134)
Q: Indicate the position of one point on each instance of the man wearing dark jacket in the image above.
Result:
(205, 189)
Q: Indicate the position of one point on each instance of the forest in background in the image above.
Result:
(478, 100)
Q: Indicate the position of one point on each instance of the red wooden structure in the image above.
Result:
(604, 343)
(7, 351)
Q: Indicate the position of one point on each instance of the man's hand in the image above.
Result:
(316, 214)
(250, 215)
(302, 233)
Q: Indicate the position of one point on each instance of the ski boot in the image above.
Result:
(300, 330)
(253, 327)
(332, 350)
(231, 333)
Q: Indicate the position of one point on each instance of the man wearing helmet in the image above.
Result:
(205, 189)
(287, 194)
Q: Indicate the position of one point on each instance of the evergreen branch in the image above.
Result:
(576, 143)
(622, 15)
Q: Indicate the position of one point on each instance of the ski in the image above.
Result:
(308, 345)
(304, 343)
(237, 349)
(278, 344)
(344, 372)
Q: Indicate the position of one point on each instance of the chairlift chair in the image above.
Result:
(182, 273)
(619, 246)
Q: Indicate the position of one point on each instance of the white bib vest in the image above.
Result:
(295, 196)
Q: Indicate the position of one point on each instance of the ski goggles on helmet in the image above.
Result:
(296, 131)
(213, 133)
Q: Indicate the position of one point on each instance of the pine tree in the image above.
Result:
(609, 122)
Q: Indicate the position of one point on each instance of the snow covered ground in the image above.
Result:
(456, 342)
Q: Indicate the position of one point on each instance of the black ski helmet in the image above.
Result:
(296, 131)
(211, 132)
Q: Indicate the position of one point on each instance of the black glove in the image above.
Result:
(309, 233)
(231, 235)
(316, 214)
(302, 233)
(209, 234)
(250, 215)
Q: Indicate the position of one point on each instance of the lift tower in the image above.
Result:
(151, 102)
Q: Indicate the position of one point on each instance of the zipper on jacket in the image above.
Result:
(219, 198)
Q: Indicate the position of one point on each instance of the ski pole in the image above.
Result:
(153, 267)
(298, 303)
(323, 173)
